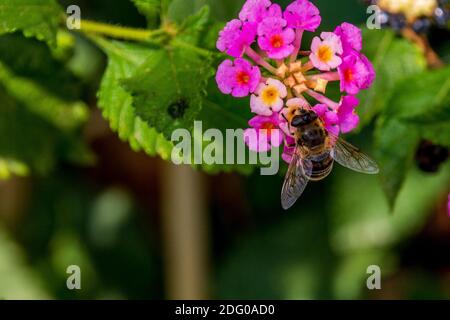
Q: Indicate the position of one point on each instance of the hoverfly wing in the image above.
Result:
(352, 158)
(297, 178)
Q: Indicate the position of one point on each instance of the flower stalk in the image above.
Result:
(328, 76)
(297, 45)
(259, 60)
(322, 99)
(124, 33)
(433, 60)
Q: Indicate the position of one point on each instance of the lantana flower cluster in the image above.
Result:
(268, 64)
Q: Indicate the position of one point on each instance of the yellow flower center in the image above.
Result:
(270, 95)
(325, 53)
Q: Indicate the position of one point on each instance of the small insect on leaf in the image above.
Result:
(176, 109)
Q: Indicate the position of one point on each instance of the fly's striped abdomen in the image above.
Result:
(322, 166)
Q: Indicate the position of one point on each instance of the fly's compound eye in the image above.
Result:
(298, 121)
(303, 119)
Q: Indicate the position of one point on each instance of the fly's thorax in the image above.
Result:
(313, 137)
(303, 117)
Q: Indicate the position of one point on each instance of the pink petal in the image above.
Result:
(278, 105)
(281, 53)
(302, 14)
(270, 26)
(371, 74)
(275, 11)
(333, 41)
(228, 74)
(320, 109)
(258, 107)
(235, 37)
(350, 123)
(240, 92)
(254, 10)
(448, 205)
(348, 119)
(361, 70)
(253, 140)
(335, 62)
(225, 72)
(276, 138)
(288, 35)
(257, 122)
(350, 35)
(316, 42)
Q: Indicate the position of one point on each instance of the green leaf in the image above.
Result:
(423, 101)
(124, 60)
(168, 89)
(162, 89)
(395, 144)
(210, 39)
(42, 83)
(417, 108)
(30, 144)
(151, 9)
(423, 98)
(32, 59)
(64, 115)
(215, 116)
(225, 111)
(35, 18)
(11, 167)
(40, 113)
(361, 218)
(194, 26)
(18, 279)
(438, 133)
(165, 5)
(394, 59)
(363, 230)
(179, 9)
(25, 137)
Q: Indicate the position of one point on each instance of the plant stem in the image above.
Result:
(329, 76)
(259, 60)
(433, 60)
(113, 31)
(185, 230)
(323, 99)
(297, 45)
(307, 66)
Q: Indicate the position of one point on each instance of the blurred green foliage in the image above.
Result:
(319, 250)
(98, 230)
